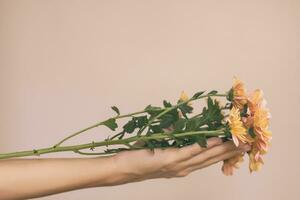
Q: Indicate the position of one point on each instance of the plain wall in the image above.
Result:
(64, 63)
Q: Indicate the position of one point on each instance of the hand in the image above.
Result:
(144, 164)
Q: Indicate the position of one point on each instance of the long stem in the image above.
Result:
(94, 126)
(77, 148)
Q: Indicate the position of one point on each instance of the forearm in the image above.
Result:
(27, 178)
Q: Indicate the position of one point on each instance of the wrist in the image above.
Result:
(111, 171)
(123, 171)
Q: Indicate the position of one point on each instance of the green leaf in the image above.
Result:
(167, 104)
(116, 110)
(213, 92)
(153, 110)
(130, 126)
(251, 132)
(210, 103)
(198, 94)
(179, 125)
(111, 123)
(244, 111)
(230, 95)
(167, 120)
(135, 122)
(193, 124)
(141, 121)
(227, 131)
(156, 129)
(185, 108)
(212, 114)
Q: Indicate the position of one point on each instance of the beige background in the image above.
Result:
(64, 63)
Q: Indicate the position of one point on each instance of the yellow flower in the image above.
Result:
(261, 119)
(239, 94)
(184, 97)
(230, 164)
(237, 128)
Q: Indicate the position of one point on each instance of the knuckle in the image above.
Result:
(166, 167)
(189, 150)
(193, 152)
(171, 160)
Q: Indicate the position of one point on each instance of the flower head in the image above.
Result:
(239, 94)
(260, 126)
(252, 126)
(255, 160)
(261, 119)
(237, 129)
(256, 101)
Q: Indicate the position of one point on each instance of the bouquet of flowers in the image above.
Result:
(243, 119)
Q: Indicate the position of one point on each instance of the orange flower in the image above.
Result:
(237, 128)
(255, 160)
(252, 128)
(256, 101)
(262, 134)
(261, 118)
(239, 94)
(230, 164)
(259, 123)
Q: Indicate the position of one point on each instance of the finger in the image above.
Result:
(210, 153)
(216, 159)
(190, 151)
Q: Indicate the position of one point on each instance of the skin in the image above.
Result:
(29, 178)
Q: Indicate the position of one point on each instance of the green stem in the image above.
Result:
(90, 154)
(94, 126)
(77, 148)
